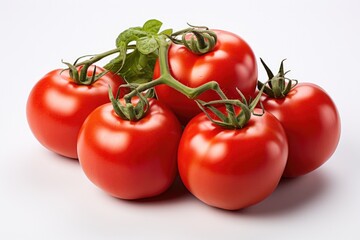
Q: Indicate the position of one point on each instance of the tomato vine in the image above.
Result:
(199, 40)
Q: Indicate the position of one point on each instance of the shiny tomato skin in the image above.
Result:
(130, 160)
(232, 168)
(312, 125)
(231, 63)
(57, 107)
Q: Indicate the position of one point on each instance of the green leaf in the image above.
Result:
(137, 65)
(167, 32)
(152, 26)
(138, 68)
(147, 45)
(131, 34)
(142, 61)
(115, 64)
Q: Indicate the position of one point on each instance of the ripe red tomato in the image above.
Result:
(128, 159)
(312, 125)
(232, 168)
(231, 63)
(57, 107)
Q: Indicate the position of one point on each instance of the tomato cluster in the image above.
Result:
(230, 168)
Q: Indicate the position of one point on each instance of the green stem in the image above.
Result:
(82, 77)
(142, 88)
(163, 57)
(98, 57)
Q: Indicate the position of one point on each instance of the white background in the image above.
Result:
(45, 196)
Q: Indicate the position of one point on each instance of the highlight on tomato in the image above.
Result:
(310, 119)
(130, 156)
(60, 101)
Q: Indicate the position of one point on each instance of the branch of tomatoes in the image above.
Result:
(134, 66)
(297, 133)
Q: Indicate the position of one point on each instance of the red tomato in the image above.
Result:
(232, 169)
(231, 63)
(57, 107)
(312, 125)
(130, 160)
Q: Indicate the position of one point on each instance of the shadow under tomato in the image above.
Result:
(176, 192)
(291, 194)
(66, 159)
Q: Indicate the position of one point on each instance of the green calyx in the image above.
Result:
(278, 86)
(78, 70)
(128, 110)
(198, 39)
(80, 76)
(230, 119)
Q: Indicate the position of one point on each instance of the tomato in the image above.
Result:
(312, 125)
(232, 168)
(231, 63)
(57, 107)
(130, 159)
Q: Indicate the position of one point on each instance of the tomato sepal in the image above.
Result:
(198, 39)
(230, 119)
(130, 111)
(278, 86)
